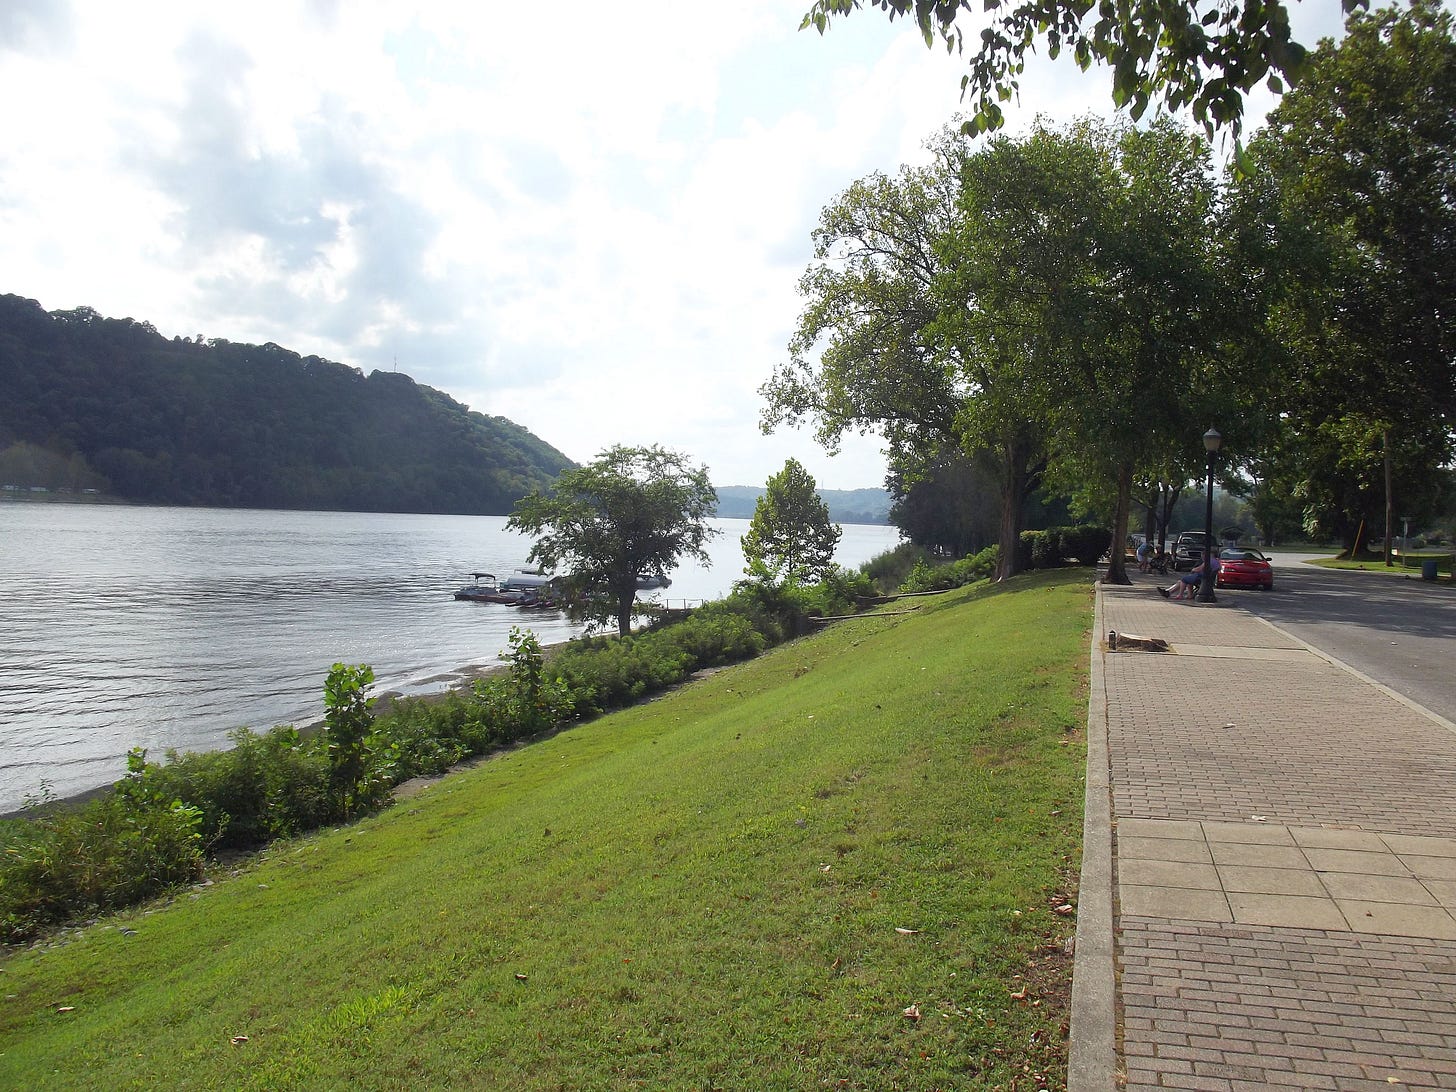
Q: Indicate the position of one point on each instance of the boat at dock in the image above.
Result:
(523, 588)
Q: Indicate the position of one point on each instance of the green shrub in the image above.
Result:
(112, 852)
(967, 570)
(425, 738)
(618, 673)
(889, 570)
(983, 565)
(1046, 548)
(358, 781)
(716, 635)
(265, 786)
(524, 701)
(1085, 543)
(925, 577)
(777, 611)
(839, 592)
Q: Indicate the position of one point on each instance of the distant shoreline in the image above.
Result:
(28, 497)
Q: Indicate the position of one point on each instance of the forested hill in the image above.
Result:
(110, 404)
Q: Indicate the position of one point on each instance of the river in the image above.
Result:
(167, 627)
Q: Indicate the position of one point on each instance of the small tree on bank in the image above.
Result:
(631, 514)
(791, 538)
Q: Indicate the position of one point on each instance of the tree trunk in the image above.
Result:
(1015, 453)
(1389, 501)
(626, 599)
(1117, 556)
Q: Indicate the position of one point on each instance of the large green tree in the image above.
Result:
(1054, 296)
(1182, 53)
(946, 502)
(1354, 198)
(630, 514)
(791, 538)
(1140, 317)
(879, 345)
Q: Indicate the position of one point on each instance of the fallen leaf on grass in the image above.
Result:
(238, 1040)
(913, 1012)
(906, 932)
(520, 977)
(1066, 909)
(1019, 995)
(65, 1008)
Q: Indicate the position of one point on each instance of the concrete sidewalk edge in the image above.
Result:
(1092, 1053)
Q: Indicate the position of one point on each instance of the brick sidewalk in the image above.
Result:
(1282, 865)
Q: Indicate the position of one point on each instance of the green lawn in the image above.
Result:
(1443, 565)
(746, 884)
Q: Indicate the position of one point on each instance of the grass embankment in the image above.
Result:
(745, 884)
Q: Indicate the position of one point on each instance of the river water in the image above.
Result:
(167, 627)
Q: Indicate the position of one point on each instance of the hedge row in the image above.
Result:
(1085, 544)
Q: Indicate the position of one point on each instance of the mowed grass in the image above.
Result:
(743, 885)
(1411, 566)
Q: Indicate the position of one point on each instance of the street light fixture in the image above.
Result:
(1212, 441)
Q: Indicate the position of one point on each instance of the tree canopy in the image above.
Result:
(1159, 50)
(1353, 203)
(791, 538)
(1056, 297)
(630, 514)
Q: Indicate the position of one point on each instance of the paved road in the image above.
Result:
(1399, 632)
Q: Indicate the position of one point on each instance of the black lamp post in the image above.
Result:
(1212, 441)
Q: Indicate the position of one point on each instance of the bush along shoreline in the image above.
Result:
(157, 829)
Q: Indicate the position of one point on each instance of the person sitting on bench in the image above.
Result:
(1188, 583)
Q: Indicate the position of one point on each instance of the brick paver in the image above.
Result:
(1284, 859)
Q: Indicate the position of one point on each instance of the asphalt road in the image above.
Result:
(1399, 632)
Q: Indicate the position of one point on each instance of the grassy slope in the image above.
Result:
(701, 892)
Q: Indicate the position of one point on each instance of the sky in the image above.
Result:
(589, 218)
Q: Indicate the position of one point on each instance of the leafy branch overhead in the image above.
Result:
(1168, 50)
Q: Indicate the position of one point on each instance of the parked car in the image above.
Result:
(1188, 550)
(1242, 567)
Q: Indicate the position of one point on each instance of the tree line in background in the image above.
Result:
(1070, 310)
(93, 402)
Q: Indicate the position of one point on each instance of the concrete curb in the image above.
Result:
(1092, 1053)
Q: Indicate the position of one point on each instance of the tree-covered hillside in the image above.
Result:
(217, 423)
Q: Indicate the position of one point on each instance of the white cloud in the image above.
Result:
(591, 222)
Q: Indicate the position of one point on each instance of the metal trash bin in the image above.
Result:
(1428, 570)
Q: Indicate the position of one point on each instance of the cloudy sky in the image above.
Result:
(589, 218)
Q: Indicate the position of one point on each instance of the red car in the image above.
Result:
(1241, 567)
